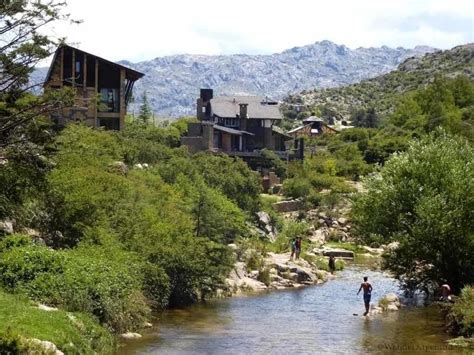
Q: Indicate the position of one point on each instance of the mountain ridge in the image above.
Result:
(172, 82)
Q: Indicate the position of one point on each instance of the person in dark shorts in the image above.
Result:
(293, 248)
(367, 287)
(332, 263)
(298, 248)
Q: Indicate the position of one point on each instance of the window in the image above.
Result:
(109, 98)
(78, 67)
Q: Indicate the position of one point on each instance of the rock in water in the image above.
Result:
(130, 335)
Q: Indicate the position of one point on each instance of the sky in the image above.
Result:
(137, 30)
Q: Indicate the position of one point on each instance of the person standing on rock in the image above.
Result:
(293, 248)
(367, 287)
(298, 248)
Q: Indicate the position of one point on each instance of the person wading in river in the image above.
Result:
(367, 287)
(332, 264)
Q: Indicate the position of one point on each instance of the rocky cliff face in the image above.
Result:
(173, 82)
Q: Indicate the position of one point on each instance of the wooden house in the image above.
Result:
(103, 88)
(311, 127)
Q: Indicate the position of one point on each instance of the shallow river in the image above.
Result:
(315, 319)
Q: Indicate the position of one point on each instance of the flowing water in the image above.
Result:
(315, 319)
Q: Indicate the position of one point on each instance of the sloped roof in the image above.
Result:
(258, 107)
(296, 129)
(278, 130)
(313, 119)
(129, 73)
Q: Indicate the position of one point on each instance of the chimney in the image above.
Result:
(243, 116)
(243, 110)
(202, 103)
(207, 94)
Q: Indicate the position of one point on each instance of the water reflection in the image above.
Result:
(317, 319)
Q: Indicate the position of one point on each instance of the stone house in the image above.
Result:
(238, 125)
(103, 88)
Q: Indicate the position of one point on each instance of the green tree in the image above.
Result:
(24, 46)
(367, 118)
(424, 199)
(145, 113)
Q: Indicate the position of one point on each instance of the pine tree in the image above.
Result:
(145, 113)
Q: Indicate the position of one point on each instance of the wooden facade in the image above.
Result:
(103, 88)
(312, 127)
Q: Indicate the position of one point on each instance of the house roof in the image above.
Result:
(129, 73)
(313, 119)
(296, 129)
(258, 107)
(280, 131)
(232, 130)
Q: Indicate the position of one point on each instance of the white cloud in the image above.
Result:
(144, 29)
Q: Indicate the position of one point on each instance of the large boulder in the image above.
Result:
(130, 335)
(6, 227)
(118, 167)
(339, 253)
(46, 346)
(263, 219)
(319, 235)
(390, 302)
(305, 275)
(342, 221)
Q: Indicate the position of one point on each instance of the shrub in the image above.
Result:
(254, 261)
(19, 266)
(156, 285)
(10, 343)
(314, 199)
(461, 314)
(296, 187)
(321, 181)
(264, 276)
(423, 198)
(104, 284)
(14, 241)
(330, 200)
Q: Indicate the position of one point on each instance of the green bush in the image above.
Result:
(331, 200)
(14, 241)
(10, 343)
(156, 285)
(321, 181)
(22, 265)
(461, 314)
(264, 276)
(87, 280)
(423, 198)
(296, 187)
(314, 199)
(254, 261)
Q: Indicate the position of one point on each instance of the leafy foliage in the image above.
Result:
(461, 313)
(424, 199)
(24, 46)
